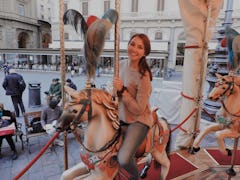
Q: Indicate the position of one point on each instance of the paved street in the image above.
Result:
(51, 165)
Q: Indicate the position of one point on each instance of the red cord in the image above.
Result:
(37, 156)
(184, 120)
(191, 47)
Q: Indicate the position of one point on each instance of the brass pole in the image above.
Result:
(63, 74)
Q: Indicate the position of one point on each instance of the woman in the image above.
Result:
(134, 91)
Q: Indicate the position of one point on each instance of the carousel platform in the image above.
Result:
(207, 164)
(211, 165)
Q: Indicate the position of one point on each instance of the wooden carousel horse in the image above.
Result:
(103, 135)
(227, 89)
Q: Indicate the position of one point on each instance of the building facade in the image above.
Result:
(159, 19)
(24, 24)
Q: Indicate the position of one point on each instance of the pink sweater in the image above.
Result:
(134, 105)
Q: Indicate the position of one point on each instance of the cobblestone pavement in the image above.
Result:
(51, 164)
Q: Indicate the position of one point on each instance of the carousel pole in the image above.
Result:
(197, 25)
(63, 75)
(202, 75)
(116, 43)
(117, 39)
(231, 171)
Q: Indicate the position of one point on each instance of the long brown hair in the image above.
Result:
(143, 65)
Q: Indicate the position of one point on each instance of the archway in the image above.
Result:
(46, 39)
(23, 39)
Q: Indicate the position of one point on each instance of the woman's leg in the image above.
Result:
(135, 134)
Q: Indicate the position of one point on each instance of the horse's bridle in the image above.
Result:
(87, 106)
(229, 88)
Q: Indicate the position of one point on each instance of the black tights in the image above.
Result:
(134, 136)
(10, 142)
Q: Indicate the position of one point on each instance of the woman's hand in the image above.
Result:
(117, 83)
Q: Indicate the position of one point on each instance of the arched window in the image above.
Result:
(46, 39)
(23, 39)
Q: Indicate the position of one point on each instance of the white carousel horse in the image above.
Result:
(227, 88)
(103, 135)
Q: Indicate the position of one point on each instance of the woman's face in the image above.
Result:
(136, 49)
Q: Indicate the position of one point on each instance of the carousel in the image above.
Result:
(102, 136)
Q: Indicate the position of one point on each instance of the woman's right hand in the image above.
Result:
(117, 83)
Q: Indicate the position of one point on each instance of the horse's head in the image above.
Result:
(225, 86)
(87, 105)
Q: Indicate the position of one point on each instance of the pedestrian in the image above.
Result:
(72, 69)
(7, 117)
(6, 68)
(15, 85)
(49, 119)
(134, 90)
(71, 84)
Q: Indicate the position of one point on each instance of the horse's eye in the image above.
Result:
(223, 88)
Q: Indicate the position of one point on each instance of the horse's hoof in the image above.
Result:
(229, 152)
(143, 173)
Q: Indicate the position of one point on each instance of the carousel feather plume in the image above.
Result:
(75, 19)
(95, 38)
(94, 31)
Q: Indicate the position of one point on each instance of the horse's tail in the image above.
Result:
(155, 117)
(168, 146)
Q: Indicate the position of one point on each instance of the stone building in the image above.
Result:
(24, 24)
(159, 19)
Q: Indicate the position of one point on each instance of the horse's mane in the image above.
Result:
(102, 98)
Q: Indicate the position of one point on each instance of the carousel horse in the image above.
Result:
(103, 135)
(227, 89)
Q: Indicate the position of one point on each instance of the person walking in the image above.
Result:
(14, 86)
(72, 69)
(6, 68)
(134, 90)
